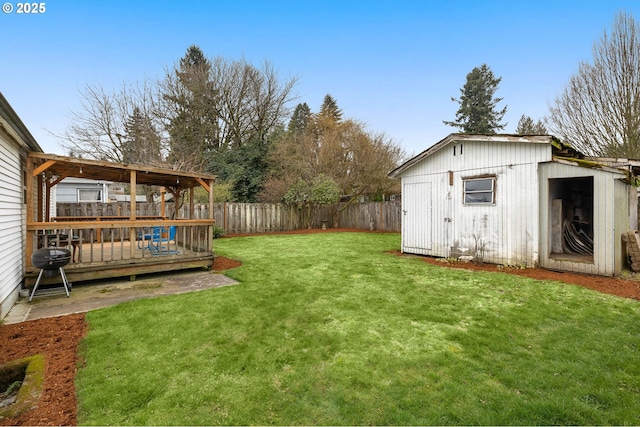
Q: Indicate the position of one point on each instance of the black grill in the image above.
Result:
(49, 260)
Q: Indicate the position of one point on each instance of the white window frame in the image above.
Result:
(93, 190)
(491, 191)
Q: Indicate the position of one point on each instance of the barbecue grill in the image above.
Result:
(48, 260)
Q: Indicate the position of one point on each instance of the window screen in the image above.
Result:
(479, 191)
(89, 195)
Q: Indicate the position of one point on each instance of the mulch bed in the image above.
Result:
(608, 285)
(58, 338)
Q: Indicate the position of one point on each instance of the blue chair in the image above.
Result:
(161, 240)
(144, 238)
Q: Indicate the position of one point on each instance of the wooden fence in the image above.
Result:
(364, 216)
(248, 218)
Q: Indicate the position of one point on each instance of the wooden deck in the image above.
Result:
(117, 257)
(107, 245)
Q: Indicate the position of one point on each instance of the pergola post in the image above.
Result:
(192, 204)
(47, 198)
(211, 215)
(41, 182)
(163, 207)
(132, 213)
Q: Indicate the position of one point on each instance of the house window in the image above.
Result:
(479, 191)
(89, 195)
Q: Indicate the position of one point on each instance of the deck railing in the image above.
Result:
(106, 240)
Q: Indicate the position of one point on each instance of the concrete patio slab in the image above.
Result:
(94, 295)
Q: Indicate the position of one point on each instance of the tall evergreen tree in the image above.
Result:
(191, 98)
(477, 112)
(243, 168)
(526, 126)
(142, 143)
(329, 109)
(300, 119)
(193, 60)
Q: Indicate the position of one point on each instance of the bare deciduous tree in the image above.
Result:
(599, 110)
(98, 130)
(199, 107)
(251, 101)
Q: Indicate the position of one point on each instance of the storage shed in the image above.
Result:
(15, 142)
(518, 200)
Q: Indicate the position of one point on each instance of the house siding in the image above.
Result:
(505, 232)
(12, 227)
(66, 191)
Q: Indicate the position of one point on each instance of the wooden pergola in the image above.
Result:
(44, 171)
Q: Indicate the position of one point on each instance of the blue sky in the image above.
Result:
(393, 65)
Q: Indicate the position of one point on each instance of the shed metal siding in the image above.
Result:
(610, 219)
(507, 231)
(417, 224)
(12, 212)
(502, 233)
(622, 216)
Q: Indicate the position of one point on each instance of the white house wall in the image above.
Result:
(505, 232)
(12, 212)
(66, 191)
(610, 219)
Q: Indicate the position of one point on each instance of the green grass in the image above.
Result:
(329, 329)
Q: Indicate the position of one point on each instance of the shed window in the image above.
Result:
(479, 191)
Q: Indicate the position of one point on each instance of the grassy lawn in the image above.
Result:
(329, 329)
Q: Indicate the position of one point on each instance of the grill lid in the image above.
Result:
(51, 258)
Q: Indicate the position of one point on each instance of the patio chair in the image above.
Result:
(161, 240)
(144, 238)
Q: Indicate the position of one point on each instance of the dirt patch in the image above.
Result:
(57, 338)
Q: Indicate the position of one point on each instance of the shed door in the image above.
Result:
(417, 220)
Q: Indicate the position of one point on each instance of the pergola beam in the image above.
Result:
(43, 167)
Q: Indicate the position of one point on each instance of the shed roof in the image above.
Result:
(63, 167)
(464, 137)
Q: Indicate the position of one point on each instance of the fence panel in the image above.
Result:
(248, 218)
(372, 216)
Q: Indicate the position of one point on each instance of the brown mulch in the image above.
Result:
(58, 338)
(313, 231)
(608, 285)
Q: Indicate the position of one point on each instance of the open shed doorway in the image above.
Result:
(571, 233)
